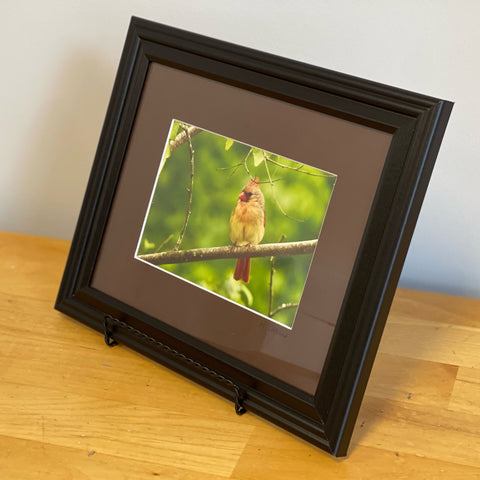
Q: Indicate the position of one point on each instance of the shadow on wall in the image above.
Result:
(54, 168)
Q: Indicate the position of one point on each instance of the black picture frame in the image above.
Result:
(415, 125)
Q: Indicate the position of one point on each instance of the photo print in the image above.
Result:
(235, 220)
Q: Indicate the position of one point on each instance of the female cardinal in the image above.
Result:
(247, 224)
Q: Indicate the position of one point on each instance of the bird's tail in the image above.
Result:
(242, 270)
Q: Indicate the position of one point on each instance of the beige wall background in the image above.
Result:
(59, 60)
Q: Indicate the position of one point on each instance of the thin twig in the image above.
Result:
(299, 169)
(270, 293)
(216, 253)
(272, 272)
(283, 306)
(273, 191)
(160, 247)
(238, 165)
(190, 191)
(245, 162)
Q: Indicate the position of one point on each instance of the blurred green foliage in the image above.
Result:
(296, 200)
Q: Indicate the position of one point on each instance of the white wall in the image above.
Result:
(59, 60)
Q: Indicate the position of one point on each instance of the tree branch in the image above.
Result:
(182, 137)
(215, 253)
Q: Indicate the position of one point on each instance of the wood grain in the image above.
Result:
(71, 408)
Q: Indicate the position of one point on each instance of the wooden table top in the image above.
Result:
(72, 408)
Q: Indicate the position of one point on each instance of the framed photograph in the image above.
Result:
(246, 221)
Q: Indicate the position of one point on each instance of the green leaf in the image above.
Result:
(228, 144)
(173, 132)
(148, 245)
(257, 156)
(171, 138)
